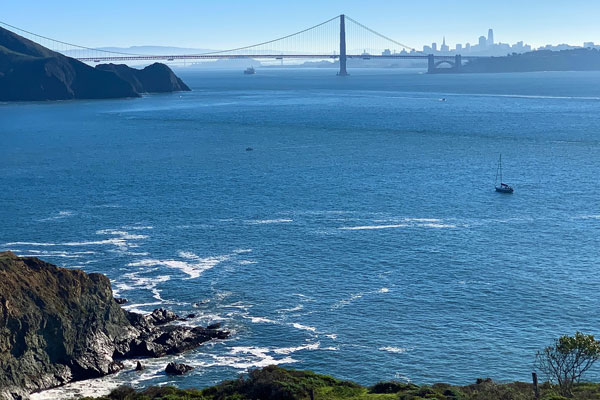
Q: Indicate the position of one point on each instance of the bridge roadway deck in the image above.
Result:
(264, 56)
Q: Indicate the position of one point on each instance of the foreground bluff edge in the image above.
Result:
(30, 72)
(59, 325)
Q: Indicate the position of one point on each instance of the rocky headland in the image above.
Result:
(59, 325)
(155, 78)
(31, 72)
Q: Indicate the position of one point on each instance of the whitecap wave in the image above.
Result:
(303, 327)
(138, 227)
(140, 308)
(52, 253)
(439, 226)
(87, 388)
(402, 378)
(370, 227)
(356, 296)
(270, 221)
(122, 234)
(260, 320)
(59, 215)
(250, 357)
(345, 302)
(289, 350)
(590, 216)
(292, 309)
(121, 240)
(392, 349)
(395, 223)
(242, 251)
(135, 281)
(194, 266)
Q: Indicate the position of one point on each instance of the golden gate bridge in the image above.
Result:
(338, 39)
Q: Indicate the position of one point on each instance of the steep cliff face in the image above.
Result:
(56, 325)
(29, 71)
(59, 325)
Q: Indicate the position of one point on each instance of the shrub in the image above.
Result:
(568, 359)
(122, 393)
(391, 387)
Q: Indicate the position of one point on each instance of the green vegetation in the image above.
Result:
(275, 383)
(568, 359)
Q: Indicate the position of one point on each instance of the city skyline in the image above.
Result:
(212, 25)
(485, 45)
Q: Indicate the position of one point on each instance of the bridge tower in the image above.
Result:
(458, 62)
(430, 64)
(343, 71)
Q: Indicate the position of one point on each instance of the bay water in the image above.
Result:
(344, 225)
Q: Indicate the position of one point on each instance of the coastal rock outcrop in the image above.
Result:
(29, 71)
(177, 369)
(59, 325)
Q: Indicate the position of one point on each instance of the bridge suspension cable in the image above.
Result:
(274, 40)
(29, 34)
(321, 41)
(382, 36)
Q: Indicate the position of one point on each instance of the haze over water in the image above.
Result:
(361, 237)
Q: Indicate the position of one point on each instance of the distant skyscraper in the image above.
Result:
(444, 48)
(490, 39)
(458, 47)
(434, 46)
(468, 46)
(482, 41)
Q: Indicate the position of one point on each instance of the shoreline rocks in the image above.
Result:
(60, 325)
(177, 369)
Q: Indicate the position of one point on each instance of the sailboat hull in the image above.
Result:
(508, 190)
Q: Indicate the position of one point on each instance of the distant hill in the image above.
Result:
(541, 60)
(155, 78)
(29, 71)
(146, 50)
(157, 50)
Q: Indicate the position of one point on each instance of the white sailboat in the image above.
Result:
(503, 188)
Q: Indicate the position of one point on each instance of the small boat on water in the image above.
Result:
(503, 188)
(249, 71)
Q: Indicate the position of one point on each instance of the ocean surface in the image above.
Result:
(361, 237)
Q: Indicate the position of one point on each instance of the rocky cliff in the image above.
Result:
(59, 325)
(29, 71)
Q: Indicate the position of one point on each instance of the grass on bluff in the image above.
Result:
(275, 383)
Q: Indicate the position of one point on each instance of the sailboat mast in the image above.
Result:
(500, 164)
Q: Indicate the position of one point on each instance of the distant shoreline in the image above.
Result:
(535, 61)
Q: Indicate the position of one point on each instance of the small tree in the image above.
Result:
(568, 359)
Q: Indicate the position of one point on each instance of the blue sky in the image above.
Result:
(220, 24)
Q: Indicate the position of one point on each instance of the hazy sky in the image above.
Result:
(220, 24)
